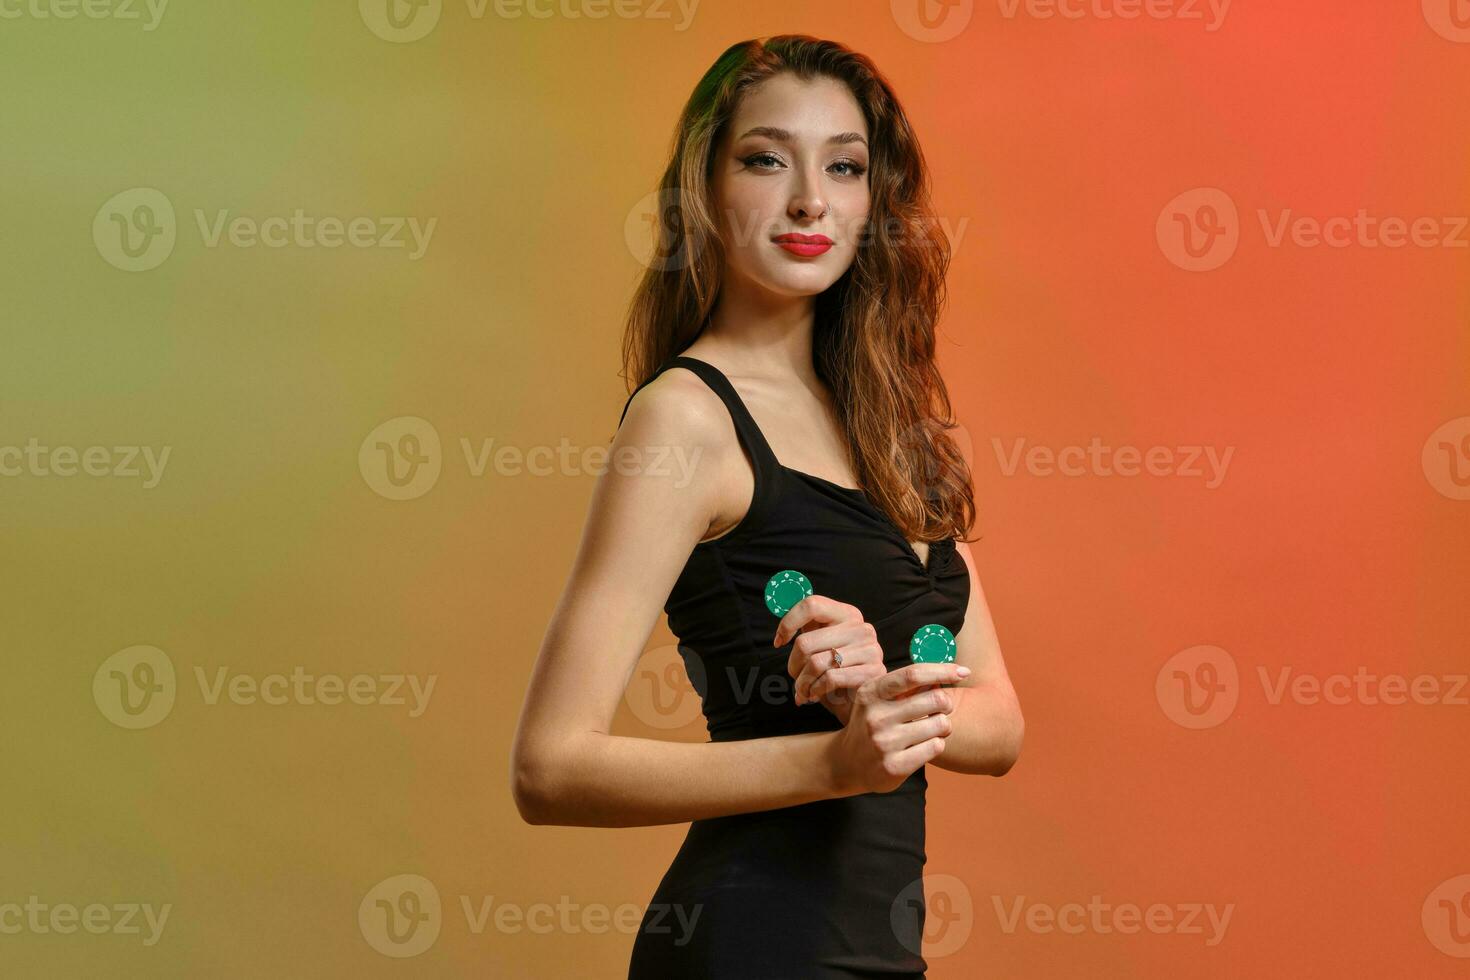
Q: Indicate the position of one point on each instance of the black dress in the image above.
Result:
(825, 889)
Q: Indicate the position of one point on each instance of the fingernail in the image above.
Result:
(963, 671)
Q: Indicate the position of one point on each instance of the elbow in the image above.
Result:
(545, 785)
(1010, 747)
(531, 807)
(529, 788)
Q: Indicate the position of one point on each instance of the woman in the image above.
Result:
(783, 339)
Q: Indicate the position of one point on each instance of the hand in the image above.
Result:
(827, 626)
(898, 723)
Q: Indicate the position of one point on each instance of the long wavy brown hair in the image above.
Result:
(873, 337)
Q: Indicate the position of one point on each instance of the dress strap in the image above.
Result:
(750, 433)
(767, 469)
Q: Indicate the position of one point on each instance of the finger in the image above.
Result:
(823, 665)
(957, 692)
(915, 732)
(915, 756)
(922, 729)
(936, 702)
(818, 609)
(897, 684)
(850, 633)
(861, 661)
(813, 608)
(840, 682)
(813, 667)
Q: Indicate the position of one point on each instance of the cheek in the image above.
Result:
(854, 228)
(852, 208)
(749, 210)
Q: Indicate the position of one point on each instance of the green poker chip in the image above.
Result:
(786, 589)
(932, 644)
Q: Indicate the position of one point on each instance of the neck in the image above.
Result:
(759, 332)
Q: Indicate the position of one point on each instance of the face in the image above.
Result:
(793, 164)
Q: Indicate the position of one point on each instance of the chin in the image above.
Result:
(801, 282)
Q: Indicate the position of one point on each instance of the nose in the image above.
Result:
(806, 199)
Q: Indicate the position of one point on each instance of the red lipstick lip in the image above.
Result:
(806, 245)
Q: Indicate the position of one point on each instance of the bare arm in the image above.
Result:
(988, 727)
(642, 523)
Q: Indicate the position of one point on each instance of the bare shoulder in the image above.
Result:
(678, 410)
(678, 418)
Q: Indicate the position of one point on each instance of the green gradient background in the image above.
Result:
(531, 140)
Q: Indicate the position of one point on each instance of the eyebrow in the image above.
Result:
(784, 135)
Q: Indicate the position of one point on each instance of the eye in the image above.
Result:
(768, 160)
(756, 158)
